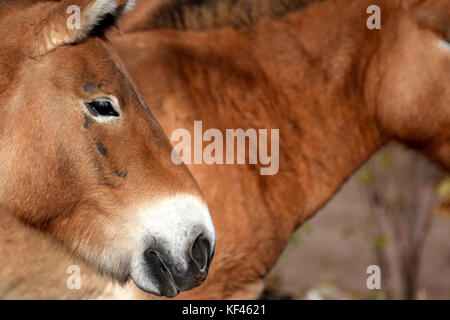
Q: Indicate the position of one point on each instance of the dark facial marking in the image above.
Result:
(88, 87)
(101, 149)
(87, 121)
(120, 174)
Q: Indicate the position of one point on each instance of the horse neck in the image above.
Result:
(319, 60)
(309, 71)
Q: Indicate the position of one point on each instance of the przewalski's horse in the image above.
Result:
(82, 159)
(336, 90)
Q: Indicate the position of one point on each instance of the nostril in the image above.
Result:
(153, 262)
(200, 252)
(158, 271)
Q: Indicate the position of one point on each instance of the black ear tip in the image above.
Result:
(110, 19)
(103, 25)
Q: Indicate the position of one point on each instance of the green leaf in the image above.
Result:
(307, 228)
(365, 175)
(444, 187)
(294, 240)
(386, 160)
(380, 241)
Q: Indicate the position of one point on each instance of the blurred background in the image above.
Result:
(394, 213)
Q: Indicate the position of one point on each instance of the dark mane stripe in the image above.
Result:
(212, 14)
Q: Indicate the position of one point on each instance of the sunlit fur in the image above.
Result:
(336, 90)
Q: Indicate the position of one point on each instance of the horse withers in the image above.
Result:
(82, 158)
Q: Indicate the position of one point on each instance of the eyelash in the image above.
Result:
(102, 108)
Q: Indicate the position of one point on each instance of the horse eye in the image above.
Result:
(101, 108)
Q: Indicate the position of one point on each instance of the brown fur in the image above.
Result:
(336, 90)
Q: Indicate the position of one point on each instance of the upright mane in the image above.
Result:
(200, 15)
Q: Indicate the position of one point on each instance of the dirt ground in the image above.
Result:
(327, 257)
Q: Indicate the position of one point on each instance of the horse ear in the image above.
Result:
(73, 21)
